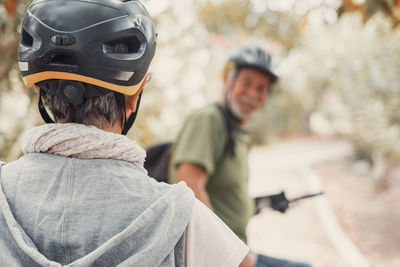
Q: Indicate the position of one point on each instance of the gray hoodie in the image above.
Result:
(62, 211)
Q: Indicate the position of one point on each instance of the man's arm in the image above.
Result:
(196, 178)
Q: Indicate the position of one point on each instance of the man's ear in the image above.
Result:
(131, 100)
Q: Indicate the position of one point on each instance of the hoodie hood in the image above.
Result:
(153, 236)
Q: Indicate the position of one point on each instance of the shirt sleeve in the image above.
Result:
(201, 141)
(209, 242)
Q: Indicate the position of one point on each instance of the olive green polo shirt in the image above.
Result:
(202, 141)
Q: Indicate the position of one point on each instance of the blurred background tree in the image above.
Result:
(338, 62)
(15, 101)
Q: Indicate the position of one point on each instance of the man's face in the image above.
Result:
(248, 93)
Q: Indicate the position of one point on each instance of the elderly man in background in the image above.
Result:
(211, 151)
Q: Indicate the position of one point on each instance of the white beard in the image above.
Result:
(235, 109)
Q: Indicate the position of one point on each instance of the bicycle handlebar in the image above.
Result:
(279, 201)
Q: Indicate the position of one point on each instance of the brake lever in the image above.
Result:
(279, 201)
(305, 196)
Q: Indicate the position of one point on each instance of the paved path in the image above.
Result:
(301, 232)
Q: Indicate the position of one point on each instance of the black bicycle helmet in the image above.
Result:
(252, 57)
(84, 48)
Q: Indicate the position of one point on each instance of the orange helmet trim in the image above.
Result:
(229, 66)
(30, 80)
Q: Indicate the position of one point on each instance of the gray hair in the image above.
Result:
(93, 111)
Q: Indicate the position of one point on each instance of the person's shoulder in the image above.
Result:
(209, 110)
(208, 113)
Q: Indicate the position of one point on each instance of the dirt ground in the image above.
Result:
(297, 234)
(369, 215)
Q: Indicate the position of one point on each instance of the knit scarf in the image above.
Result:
(82, 141)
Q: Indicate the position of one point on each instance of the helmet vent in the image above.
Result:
(129, 45)
(121, 48)
(63, 59)
(27, 39)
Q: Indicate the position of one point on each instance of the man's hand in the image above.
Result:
(277, 202)
(196, 178)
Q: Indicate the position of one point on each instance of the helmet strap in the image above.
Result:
(228, 92)
(129, 123)
(228, 108)
(43, 112)
(121, 99)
